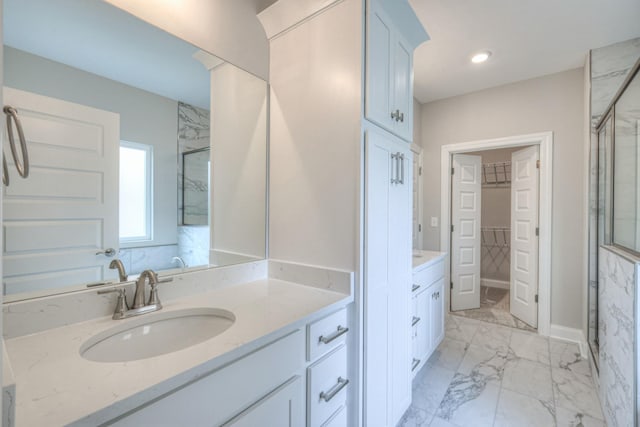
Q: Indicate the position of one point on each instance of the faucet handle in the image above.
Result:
(121, 305)
(153, 295)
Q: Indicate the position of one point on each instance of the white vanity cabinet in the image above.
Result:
(288, 382)
(389, 79)
(327, 376)
(427, 325)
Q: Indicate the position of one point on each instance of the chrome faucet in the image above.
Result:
(117, 264)
(139, 306)
(180, 260)
(138, 299)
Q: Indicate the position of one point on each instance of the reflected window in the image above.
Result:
(136, 162)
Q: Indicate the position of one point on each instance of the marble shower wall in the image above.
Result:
(609, 67)
(194, 131)
(617, 329)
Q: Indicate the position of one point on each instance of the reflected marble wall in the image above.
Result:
(194, 131)
(617, 287)
(193, 245)
(136, 260)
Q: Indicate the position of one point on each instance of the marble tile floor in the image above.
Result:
(485, 374)
(494, 308)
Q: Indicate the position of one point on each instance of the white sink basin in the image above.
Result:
(156, 334)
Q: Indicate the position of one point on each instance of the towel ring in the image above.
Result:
(23, 167)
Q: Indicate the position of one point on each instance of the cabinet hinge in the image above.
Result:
(536, 298)
(451, 285)
(452, 228)
(453, 171)
(537, 164)
(537, 231)
(419, 227)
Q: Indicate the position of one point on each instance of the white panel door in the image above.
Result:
(379, 98)
(466, 192)
(378, 172)
(402, 88)
(67, 209)
(400, 282)
(524, 242)
(387, 293)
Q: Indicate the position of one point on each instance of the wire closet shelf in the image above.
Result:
(496, 174)
(496, 247)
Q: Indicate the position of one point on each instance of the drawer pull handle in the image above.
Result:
(340, 331)
(415, 287)
(414, 320)
(415, 364)
(342, 383)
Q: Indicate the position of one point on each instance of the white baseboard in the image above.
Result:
(501, 284)
(570, 334)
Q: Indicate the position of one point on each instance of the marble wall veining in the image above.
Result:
(608, 68)
(136, 260)
(194, 132)
(193, 244)
(617, 330)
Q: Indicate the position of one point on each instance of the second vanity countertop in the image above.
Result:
(423, 258)
(57, 386)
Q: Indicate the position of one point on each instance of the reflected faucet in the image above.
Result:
(117, 264)
(180, 260)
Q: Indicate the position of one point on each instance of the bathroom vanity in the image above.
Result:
(427, 304)
(284, 358)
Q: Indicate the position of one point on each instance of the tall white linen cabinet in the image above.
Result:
(341, 126)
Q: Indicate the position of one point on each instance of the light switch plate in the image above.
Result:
(434, 221)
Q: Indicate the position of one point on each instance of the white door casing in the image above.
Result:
(524, 239)
(67, 209)
(466, 211)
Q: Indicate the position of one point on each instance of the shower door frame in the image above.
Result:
(545, 141)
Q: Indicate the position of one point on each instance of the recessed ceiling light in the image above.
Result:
(480, 57)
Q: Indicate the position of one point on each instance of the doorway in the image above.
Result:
(515, 266)
(500, 285)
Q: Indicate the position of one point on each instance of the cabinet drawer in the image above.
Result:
(338, 419)
(326, 334)
(427, 276)
(327, 385)
(226, 392)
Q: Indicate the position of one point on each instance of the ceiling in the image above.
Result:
(527, 39)
(98, 38)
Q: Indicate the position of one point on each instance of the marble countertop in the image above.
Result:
(424, 258)
(56, 386)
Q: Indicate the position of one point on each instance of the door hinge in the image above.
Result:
(537, 164)
(451, 285)
(419, 227)
(420, 170)
(536, 298)
(453, 171)
(537, 231)
(452, 228)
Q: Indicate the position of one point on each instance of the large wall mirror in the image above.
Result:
(142, 146)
